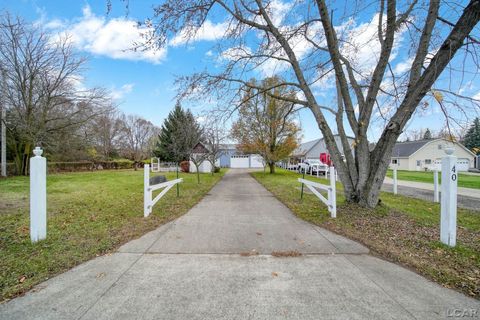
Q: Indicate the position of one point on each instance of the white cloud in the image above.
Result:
(278, 10)
(209, 31)
(236, 53)
(477, 96)
(119, 93)
(112, 38)
(362, 48)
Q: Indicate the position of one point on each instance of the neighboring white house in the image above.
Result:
(313, 149)
(246, 161)
(231, 157)
(424, 155)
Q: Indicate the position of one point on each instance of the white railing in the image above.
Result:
(157, 166)
(331, 200)
(148, 189)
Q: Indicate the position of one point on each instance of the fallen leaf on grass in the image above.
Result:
(22, 279)
(259, 233)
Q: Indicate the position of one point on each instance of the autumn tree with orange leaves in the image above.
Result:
(266, 125)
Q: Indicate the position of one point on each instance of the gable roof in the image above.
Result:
(407, 148)
(200, 148)
(303, 148)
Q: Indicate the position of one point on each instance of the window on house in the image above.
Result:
(428, 161)
(419, 163)
(394, 161)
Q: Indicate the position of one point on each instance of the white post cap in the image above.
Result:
(37, 151)
(449, 150)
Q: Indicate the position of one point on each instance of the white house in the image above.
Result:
(424, 155)
(231, 157)
(313, 149)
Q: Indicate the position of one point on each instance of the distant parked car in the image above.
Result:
(291, 166)
(311, 166)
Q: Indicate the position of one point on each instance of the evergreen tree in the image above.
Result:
(427, 135)
(472, 137)
(180, 132)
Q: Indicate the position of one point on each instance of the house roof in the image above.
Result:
(200, 148)
(228, 146)
(303, 148)
(407, 148)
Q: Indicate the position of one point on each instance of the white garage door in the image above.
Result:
(463, 164)
(256, 161)
(239, 162)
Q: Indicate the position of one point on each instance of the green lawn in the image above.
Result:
(464, 180)
(403, 230)
(89, 214)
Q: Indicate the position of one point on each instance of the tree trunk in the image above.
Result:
(271, 166)
(22, 157)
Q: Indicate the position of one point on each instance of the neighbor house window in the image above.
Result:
(428, 161)
(419, 163)
(395, 161)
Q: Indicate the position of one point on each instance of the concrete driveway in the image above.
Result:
(205, 265)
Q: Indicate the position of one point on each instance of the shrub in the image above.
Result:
(185, 166)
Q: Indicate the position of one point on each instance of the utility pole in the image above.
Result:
(4, 143)
(3, 130)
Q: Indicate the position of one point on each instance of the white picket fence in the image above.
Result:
(158, 166)
(148, 189)
(331, 200)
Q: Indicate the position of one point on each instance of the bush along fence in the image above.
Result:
(79, 166)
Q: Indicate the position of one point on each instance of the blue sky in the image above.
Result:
(143, 83)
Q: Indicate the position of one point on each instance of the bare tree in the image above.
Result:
(199, 154)
(214, 135)
(41, 87)
(136, 138)
(106, 132)
(309, 47)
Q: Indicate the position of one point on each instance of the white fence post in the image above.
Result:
(395, 185)
(435, 186)
(147, 193)
(38, 196)
(333, 193)
(448, 222)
